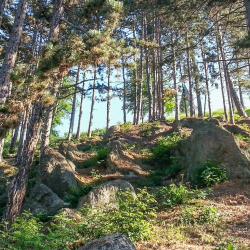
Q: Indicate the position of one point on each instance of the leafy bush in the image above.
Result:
(211, 174)
(102, 154)
(163, 151)
(133, 217)
(200, 215)
(176, 195)
(25, 233)
(98, 160)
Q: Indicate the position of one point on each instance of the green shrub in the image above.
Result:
(227, 246)
(176, 195)
(133, 218)
(25, 233)
(98, 160)
(199, 215)
(211, 174)
(62, 233)
(248, 112)
(173, 195)
(163, 151)
(102, 154)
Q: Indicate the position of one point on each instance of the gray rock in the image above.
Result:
(42, 200)
(105, 194)
(211, 142)
(57, 172)
(112, 242)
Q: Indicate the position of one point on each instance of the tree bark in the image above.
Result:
(232, 92)
(55, 23)
(177, 113)
(78, 133)
(3, 4)
(108, 99)
(197, 85)
(14, 139)
(189, 78)
(73, 111)
(124, 92)
(23, 133)
(207, 81)
(222, 53)
(247, 5)
(92, 106)
(18, 186)
(221, 80)
(17, 190)
(58, 11)
(11, 52)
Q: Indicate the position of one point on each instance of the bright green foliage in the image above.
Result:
(25, 233)
(133, 218)
(98, 160)
(176, 195)
(227, 246)
(248, 112)
(163, 151)
(211, 174)
(199, 215)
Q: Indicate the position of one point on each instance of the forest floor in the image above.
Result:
(232, 199)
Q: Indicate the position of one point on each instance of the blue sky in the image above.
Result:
(116, 114)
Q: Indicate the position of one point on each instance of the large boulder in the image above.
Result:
(211, 142)
(105, 194)
(42, 200)
(112, 242)
(57, 172)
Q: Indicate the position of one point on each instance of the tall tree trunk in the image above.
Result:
(17, 190)
(108, 99)
(14, 139)
(78, 133)
(207, 81)
(191, 108)
(247, 5)
(3, 4)
(233, 93)
(1, 148)
(23, 133)
(92, 105)
(221, 80)
(124, 92)
(222, 53)
(56, 19)
(239, 84)
(18, 186)
(177, 113)
(10, 57)
(146, 52)
(140, 88)
(197, 85)
(58, 11)
(73, 111)
(11, 52)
